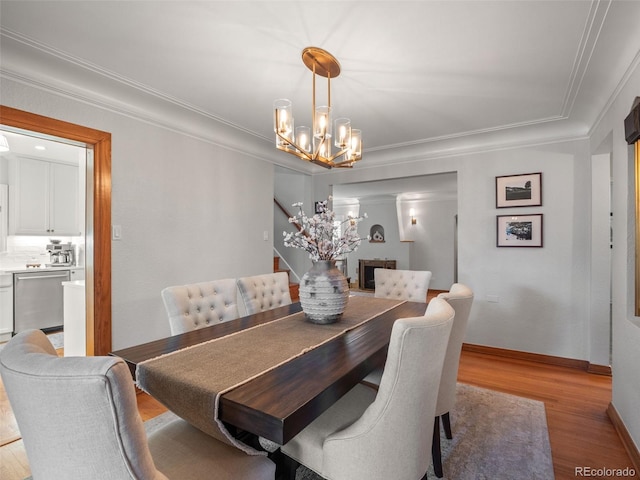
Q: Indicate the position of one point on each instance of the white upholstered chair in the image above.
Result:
(199, 305)
(263, 292)
(460, 297)
(383, 435)
(411, 285)
(79, 420)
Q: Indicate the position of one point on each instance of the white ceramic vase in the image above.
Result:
(324, 293)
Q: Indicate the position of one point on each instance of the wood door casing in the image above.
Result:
(98, 225)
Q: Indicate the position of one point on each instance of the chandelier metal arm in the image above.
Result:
(298, 152)
(323, 162)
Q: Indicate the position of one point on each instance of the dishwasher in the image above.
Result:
(37, 300)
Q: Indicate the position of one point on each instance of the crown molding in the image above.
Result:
(40, 67)
(36, 65)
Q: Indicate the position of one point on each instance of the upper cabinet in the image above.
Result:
(43, 198)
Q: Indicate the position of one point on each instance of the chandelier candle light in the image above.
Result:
(324, 291)
(314, 144)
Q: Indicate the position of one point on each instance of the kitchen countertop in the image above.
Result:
(34, 270)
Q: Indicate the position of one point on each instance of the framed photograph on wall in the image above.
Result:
(519, 190)
(519, 230)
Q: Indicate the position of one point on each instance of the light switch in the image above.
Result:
(116, 232)
(265, 235)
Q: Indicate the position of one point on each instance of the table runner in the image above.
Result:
(190, 381)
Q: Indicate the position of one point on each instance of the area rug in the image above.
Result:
(495, 436)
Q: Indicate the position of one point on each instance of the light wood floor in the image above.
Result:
(580, 432)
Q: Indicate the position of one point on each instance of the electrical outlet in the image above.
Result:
(493, 298)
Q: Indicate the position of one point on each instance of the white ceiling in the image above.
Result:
(41, 146)
(413, 73)
(439, 186)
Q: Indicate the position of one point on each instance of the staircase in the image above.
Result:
(293, 287)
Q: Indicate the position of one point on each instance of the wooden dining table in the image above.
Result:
(280, 402)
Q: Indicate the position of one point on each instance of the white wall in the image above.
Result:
(432, 237)
(600, 291)
(542, 292)
(4, 169)
(291, 187)
(379, 212)
(626, 326)
(189, 210)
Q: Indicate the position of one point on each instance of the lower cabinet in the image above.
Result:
(6, 306)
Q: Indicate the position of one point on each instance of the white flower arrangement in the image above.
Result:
(320, 235)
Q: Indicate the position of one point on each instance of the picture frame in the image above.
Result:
(519, 230)
(523, 190)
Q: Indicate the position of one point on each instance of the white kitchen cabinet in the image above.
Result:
(44, 198)
(6, 306)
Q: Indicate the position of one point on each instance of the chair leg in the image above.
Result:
(435, 449)
(289, 466)
(446, 424)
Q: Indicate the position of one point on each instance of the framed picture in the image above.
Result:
(519, 230)
(519, 190)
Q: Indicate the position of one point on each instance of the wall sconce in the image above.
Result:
(412, 214)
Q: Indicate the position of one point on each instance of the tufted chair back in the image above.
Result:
(460, 297)
(263, 292)
(77, 415)
(411, 285)
(384, 436)
(79, 420)
(199, 305)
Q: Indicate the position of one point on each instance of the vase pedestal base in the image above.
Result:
(323, 319)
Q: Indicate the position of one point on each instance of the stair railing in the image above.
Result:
(288, 215)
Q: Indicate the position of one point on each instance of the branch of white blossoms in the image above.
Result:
(320, 237)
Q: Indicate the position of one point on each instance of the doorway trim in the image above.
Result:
(98, 225)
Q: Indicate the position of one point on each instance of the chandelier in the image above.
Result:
(313, 143)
